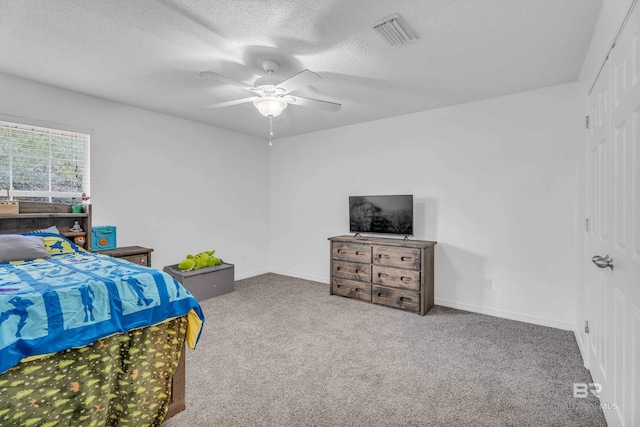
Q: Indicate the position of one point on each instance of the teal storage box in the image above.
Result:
(103, 237)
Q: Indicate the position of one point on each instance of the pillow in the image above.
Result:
(53, 229)
(60, 245)
(57, 244)
(15, 247)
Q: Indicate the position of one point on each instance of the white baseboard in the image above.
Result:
(507, 315)
(282, 272)
(301, 276)
(250, 274)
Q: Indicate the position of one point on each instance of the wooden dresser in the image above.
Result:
(392, 272)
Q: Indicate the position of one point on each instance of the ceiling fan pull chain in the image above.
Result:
(270, 129)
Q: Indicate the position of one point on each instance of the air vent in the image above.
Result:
(395, 30)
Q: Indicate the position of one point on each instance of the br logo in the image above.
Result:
(582, 390)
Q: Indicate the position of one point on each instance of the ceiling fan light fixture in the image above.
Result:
(270, 106)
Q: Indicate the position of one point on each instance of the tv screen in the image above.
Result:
(381, 214)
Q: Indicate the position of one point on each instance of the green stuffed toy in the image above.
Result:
(195, 262)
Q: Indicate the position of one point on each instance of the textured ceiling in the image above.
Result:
(148, 53)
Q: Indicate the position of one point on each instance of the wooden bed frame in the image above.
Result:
(39, 215)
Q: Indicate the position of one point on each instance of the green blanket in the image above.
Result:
(122, 380)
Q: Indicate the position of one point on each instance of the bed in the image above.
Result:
(86, 339)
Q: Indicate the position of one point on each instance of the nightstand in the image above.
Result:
(136, 254)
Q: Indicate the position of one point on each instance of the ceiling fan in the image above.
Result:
(272, 95)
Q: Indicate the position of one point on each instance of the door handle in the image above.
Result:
(605, 262)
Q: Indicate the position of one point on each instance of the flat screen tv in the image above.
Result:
(381, 214)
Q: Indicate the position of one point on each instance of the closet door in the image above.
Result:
(613, 245)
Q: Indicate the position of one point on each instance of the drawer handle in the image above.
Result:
(405, 279)
(341, 251)
(382, 295)
(342, 287)
(359, 272)
(360, 253)
(383, 275)
(405, 299)
(383, 256)
(406, 258)
(339, 268)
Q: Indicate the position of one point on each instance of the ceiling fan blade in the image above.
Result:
(230, 103)
(315, 103)
(227, 80)
(303, 78)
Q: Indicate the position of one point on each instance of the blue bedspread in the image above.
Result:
(74, 299)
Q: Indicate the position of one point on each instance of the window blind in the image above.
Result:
(43, 164)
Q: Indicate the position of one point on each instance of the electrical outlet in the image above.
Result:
(487, 283)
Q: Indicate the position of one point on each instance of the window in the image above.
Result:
(42, 164)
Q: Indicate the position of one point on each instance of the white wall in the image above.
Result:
(493, 183)
(610, 20)
(169, 184)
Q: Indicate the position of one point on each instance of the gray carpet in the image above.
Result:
(281, 351)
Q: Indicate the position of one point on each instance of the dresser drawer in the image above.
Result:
(351, 252)
(351, 288)
(352, 270)
(396, 257)
(398, 298)
(141, 259)
(396, 277)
